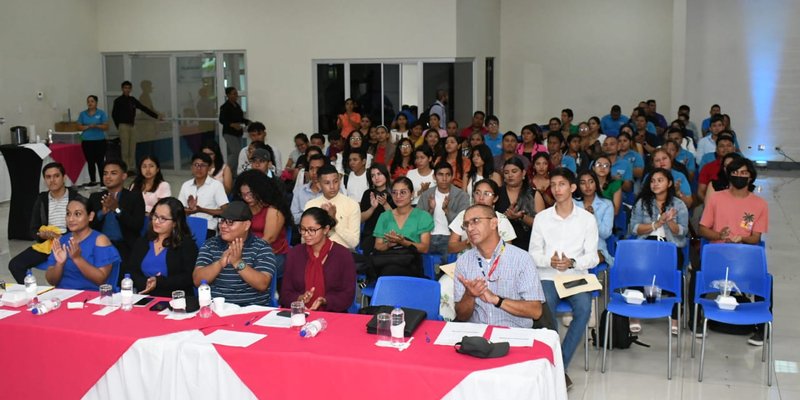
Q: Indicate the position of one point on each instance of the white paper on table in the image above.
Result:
(75, 305)
(453, 332)
(177, 316)
(62, 294)
(233, 338)
(116, 298)
(273, 320)
(233, 309)
(7, 313)
(516, 337)
(39, 148)
(105, 311)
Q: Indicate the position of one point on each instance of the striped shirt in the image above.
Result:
(228, 284)
(515, 278)
(57, 211)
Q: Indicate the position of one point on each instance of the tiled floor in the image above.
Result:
(733, 368)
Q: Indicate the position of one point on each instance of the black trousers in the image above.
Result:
(95, 152)
(22, 262)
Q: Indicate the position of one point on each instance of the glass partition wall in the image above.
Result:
(185, 88)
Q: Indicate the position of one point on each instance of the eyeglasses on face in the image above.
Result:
(401, 192)
(199, 165)
(309, 231)
(603, 165)
(479, 193)
(473, 222)
(159, 219)
(228, 222)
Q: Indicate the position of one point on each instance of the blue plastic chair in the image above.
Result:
(422, 294)
(431, 260)
(145, 225)
(636, 262)
(273, 290)
(113, 277)
(747, 267)
(199, 227)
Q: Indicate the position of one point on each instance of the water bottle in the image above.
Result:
(126, 292)
(204, 298)
(398, 326)
(46, 306)
(49, 136)
(314, 327)
(30, 289)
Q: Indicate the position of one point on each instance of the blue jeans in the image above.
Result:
(439, 246)
(581, 311)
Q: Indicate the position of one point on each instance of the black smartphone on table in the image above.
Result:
(160, 306)
(143, 302)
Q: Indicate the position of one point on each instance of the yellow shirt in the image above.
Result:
(347, 231)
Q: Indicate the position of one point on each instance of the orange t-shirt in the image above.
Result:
(347, 125)
(742, 216)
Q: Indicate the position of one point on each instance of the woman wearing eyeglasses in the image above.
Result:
(355, 143)
(608, 187)
(163, 260)
(320, 272)
(486, 193)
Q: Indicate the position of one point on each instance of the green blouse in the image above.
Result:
(418, 222)
(613, 186)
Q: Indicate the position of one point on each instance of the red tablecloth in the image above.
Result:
(70, 156)
(70, 350)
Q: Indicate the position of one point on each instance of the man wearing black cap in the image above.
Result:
(237, 265)
(261, 161)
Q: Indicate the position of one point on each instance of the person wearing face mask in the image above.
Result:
(736, 215)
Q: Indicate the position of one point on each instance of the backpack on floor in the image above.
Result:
(621, 336)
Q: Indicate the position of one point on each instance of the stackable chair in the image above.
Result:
(198, 226)
(747, 267)
(635, 263)
(420, 293)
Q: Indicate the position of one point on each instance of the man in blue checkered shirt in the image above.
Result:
(496, 282)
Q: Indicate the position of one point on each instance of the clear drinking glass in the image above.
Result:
(384, 327)
(106, 295)
(298, 314)
(178, 302)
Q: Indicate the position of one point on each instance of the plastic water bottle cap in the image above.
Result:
(29, 272)
(35, 311)
(127, 276)
(204, 282)
(302, 333)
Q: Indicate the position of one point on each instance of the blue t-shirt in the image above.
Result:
(97, 256)
(707, 158)
(568, 162)
(633, 157)
(256, 253)
(686, 158)
(611, 126)
(98, 118)
(495, 145)
(622, 169)
(154, 265)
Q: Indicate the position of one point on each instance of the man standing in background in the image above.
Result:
(124, 115)
(231, 116)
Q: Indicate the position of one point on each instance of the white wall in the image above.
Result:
(583, 55)
(281, 39)
(745, 56)
(49, 46)
(478, 36)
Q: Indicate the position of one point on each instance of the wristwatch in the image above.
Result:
(240, 266)
(499, 302)
(573, 263)
(117, 210)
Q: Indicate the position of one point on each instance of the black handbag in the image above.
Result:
(413, 318)
(397, 261)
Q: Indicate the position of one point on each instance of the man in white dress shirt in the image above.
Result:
(564, 241)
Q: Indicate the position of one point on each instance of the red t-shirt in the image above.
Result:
(742, 216)
(709, 172)
(466, 132)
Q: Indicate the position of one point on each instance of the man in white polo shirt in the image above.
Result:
(564, 241)
(203, 196)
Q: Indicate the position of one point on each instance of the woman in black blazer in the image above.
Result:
(163, 260)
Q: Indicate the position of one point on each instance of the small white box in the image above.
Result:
(633, 296)
(726, 303)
